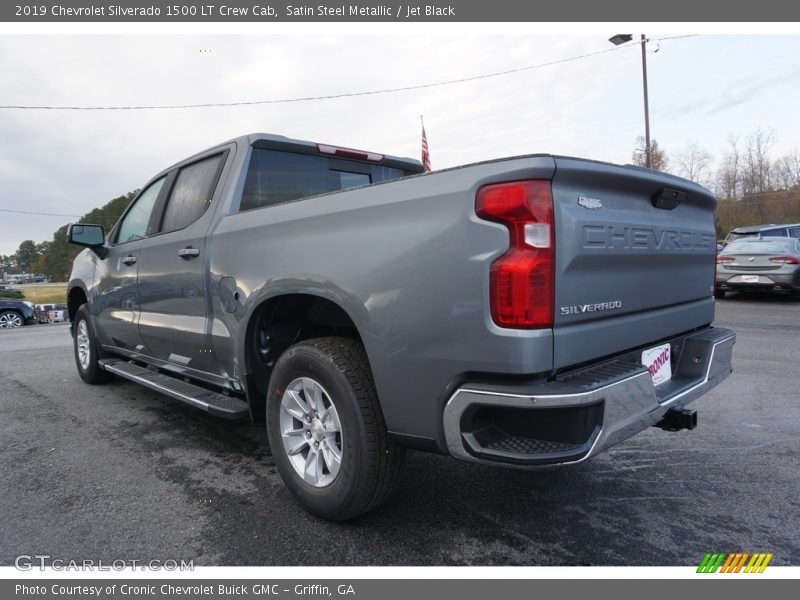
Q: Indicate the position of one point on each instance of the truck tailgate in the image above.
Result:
(634, 258)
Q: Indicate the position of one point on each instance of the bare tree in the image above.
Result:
(757, 172)
(694, 163)
(729, 173)
(658, 157)
(788, 170)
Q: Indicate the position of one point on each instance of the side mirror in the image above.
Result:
(91, 236)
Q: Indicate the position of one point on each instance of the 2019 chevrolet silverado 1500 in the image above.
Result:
(523, 312)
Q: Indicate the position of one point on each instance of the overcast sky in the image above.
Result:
(702, 88)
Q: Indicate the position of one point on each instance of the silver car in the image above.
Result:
(767, 264)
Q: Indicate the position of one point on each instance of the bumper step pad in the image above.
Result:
(213, 403)
(521, 445)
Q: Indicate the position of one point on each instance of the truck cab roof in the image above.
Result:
(282, 143)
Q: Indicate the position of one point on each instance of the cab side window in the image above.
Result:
(134, 224)
(191, 194)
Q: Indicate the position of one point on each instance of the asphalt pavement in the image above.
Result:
(118, 472)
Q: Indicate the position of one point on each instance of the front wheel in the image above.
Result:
(10, 319)
(87, 351)
(326, 429)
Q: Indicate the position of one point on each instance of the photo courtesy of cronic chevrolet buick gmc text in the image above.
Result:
(521, 312)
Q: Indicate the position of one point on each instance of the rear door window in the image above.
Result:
(191, 194)
(274, 177)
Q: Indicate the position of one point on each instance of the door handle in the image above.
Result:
(188, 252)
(129, 260)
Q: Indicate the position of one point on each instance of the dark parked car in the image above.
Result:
(6, 291)
(767, 265)
(16, 313)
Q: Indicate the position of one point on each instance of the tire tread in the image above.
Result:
(384, 457)
(95, 374)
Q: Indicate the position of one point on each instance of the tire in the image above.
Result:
(719, 294)
(344, 416)
(87, 350)
(11, 319)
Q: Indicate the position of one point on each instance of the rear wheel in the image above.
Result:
(87, 351)
(10, 319)
(719, 294)
(326, 429)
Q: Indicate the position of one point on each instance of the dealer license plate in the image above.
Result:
(749, 278)
(657, 361)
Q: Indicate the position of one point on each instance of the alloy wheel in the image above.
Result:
(83, 345)
(311, 432)
(10, 320)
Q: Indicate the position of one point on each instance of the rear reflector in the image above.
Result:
(349, 153)
(521, 280)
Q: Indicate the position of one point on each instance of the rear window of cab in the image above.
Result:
(274, 177)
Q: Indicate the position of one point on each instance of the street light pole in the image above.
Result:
(624, 38)
(646, 103)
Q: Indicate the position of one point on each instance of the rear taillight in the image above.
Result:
(521, 280)
(722, 260)
(785, 260)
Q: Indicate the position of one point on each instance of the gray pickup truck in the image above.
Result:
(521, 312)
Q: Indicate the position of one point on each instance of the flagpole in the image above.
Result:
(426, 157)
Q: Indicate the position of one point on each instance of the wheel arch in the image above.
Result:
(277, 321)
(76, 296)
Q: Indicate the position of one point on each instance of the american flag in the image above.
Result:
(426, 156)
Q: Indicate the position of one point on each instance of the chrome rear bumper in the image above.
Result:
(580, 413)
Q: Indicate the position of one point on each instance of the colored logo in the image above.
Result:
(743, 562)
